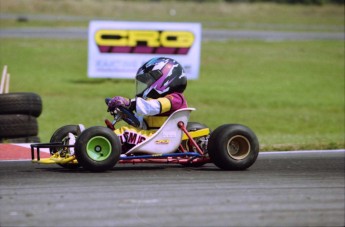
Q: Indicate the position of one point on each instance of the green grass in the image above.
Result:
(290, 93)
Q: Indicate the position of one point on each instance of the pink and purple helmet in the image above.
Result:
(159, 77)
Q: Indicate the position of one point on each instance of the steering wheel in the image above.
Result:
(129, 117)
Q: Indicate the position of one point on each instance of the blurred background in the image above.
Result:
(275, 66)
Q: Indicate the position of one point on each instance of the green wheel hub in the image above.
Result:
(98, 148)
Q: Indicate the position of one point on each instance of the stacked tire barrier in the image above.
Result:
(18, 117)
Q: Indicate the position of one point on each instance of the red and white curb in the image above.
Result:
(19, 152)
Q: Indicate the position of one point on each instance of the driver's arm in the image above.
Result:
(152, 106)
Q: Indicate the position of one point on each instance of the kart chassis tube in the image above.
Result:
(165, 158)
(181, 125)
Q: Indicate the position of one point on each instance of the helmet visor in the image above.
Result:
(140, 88)
(145, 80)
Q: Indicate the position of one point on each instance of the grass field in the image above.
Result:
(291, 93)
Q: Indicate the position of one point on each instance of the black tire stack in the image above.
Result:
(18, 117)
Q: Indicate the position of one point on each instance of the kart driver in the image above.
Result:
(160, 83)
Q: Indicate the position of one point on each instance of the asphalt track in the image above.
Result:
(280, 189)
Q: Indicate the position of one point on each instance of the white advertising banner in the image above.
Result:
(116, 49)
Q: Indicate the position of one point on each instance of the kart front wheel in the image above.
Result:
(98, 149)
(233, 147)
(61, 136)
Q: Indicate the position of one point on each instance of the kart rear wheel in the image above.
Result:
(233, 147)
(61, 135)
(98, 149)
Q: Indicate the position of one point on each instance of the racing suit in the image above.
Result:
(152, 113)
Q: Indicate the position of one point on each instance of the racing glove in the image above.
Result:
(118, 101)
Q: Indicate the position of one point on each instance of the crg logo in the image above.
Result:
(144, 41)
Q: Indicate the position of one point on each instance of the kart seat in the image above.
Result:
(168, 138)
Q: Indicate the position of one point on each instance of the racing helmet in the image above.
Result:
(160, 76)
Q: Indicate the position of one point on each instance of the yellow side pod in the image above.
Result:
(198, 133)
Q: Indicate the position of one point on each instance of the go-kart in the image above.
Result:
(192, 144)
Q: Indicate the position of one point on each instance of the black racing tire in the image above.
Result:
(28, 139)
(193, 126)
(98, 149)
(233, 147)
(17, 125)
(59, 136)
(21, 103)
